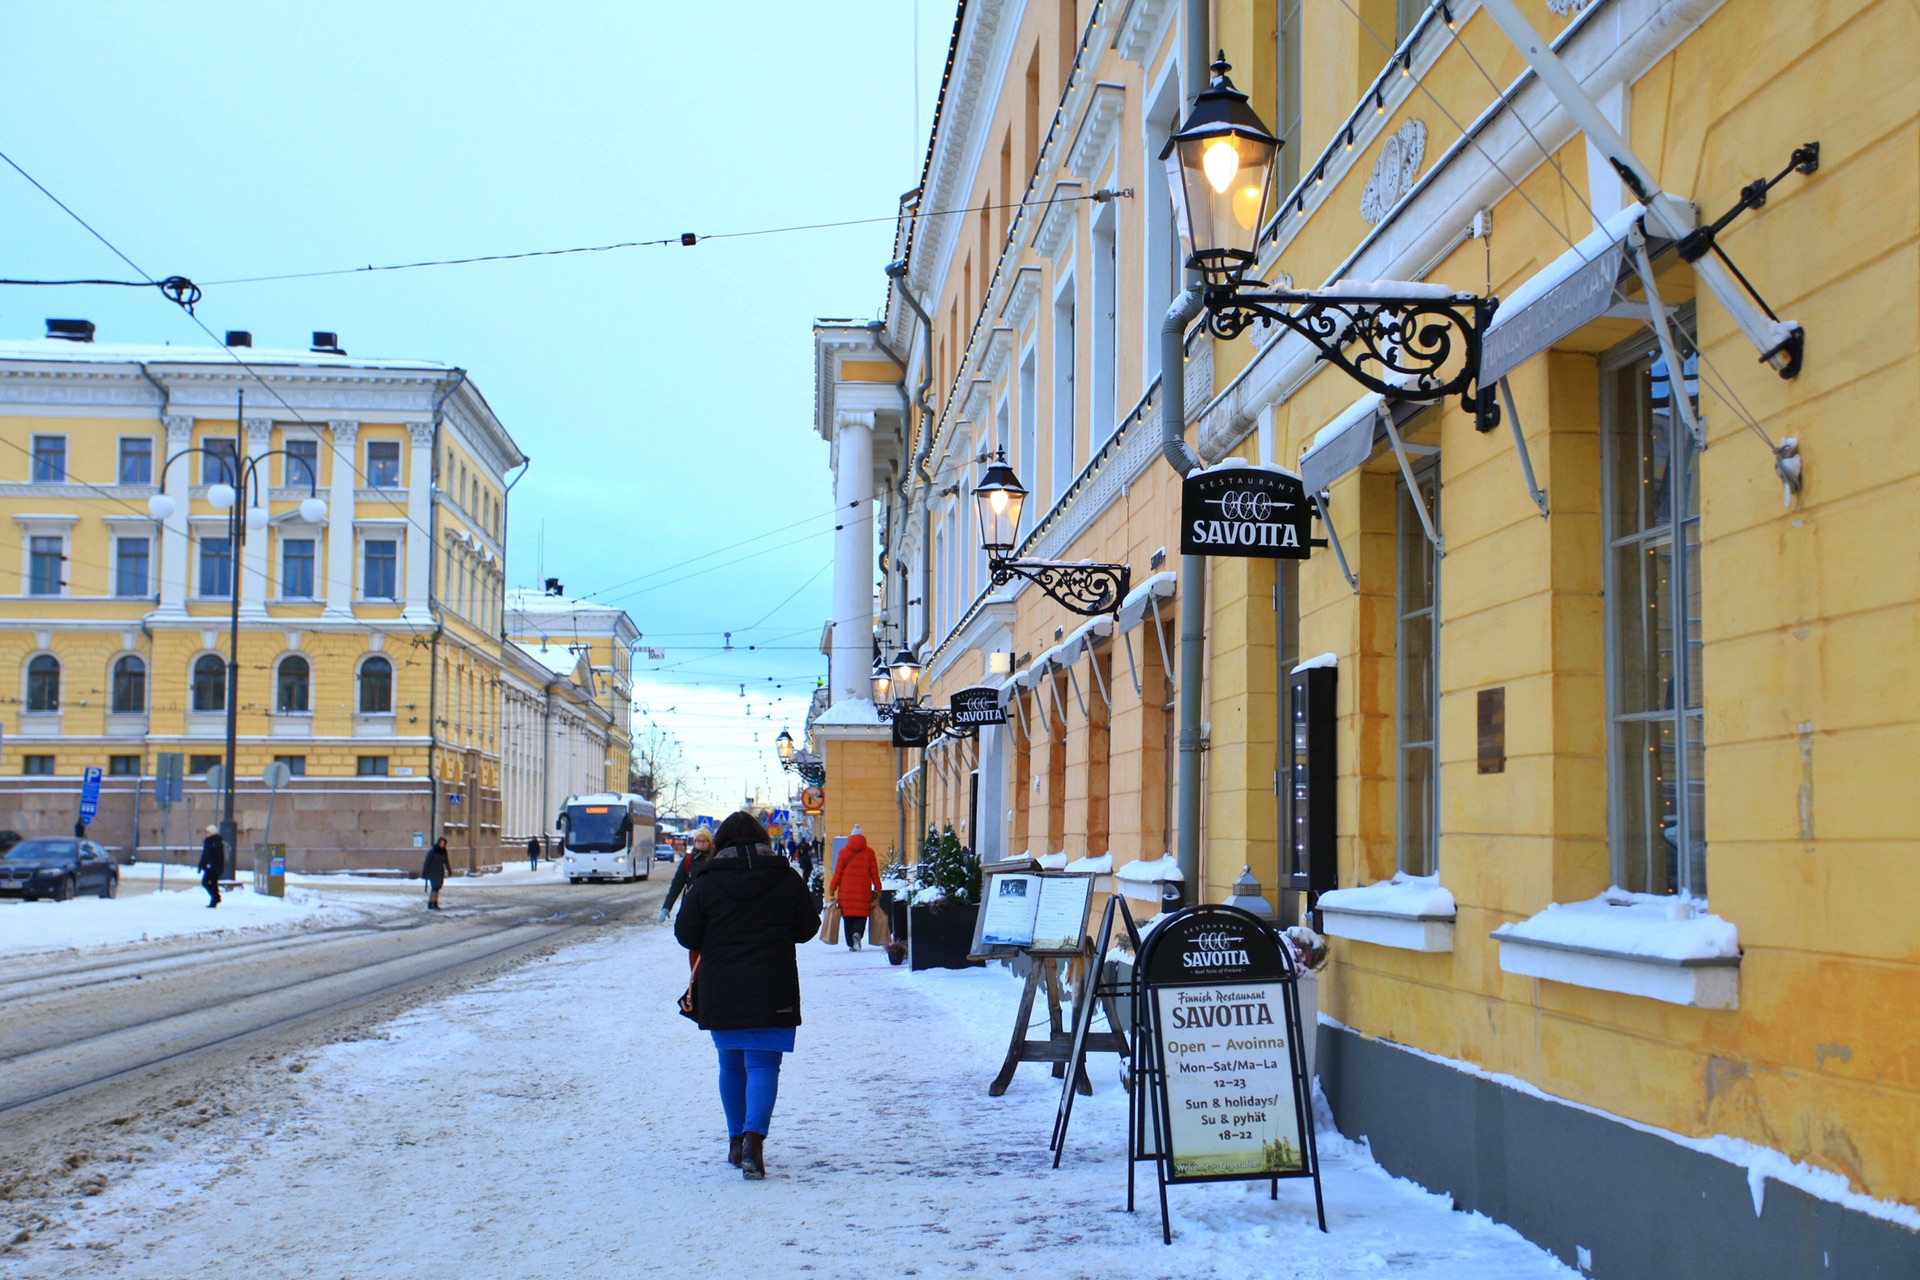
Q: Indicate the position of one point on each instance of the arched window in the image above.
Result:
(209, 683)
(129, 685)
(290, 689)
(43, 683)
(376, 687)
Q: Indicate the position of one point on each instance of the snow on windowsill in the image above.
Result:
(1638, 944)
(1090, 865)
(1409, 897)
(1052, 861)
(1312, 664)
(1151, 870)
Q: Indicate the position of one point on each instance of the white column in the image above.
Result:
(420, 515)
(852, 660)
(174, 549)
(253, 566)
(340, 509)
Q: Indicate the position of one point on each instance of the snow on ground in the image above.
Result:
(101, 922)
(563, 1120)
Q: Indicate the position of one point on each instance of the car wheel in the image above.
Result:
(64, 890)
(111, 889)
(573, 879)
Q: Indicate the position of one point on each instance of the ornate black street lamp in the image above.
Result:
(811, 768)
(896, 699)
(1084, 587)
(239, 496)
(1405, 341)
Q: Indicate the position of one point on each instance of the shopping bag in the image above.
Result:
(830, 925)
(879, 933)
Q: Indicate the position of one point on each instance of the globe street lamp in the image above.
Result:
(239, 495)
(1084, 587)
(1404, 340)
(882, 684)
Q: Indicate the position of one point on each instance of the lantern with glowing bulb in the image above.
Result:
(1220, 169)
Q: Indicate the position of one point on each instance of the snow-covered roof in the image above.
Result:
(849, 711)
(556, 658)
(59, 349)
(530, 600)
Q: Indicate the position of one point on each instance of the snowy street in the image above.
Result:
(561, 1119)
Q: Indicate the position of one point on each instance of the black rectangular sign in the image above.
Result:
(977, 707)
(1244, 511)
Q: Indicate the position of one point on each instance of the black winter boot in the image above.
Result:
(753, 1157)
(733, 1150)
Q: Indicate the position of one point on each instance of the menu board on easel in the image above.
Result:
(1038, 912)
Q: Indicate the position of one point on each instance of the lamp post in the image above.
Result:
(811, 768)
(242, 515)
(1086, 588)
(1406, 341)
(896, 699)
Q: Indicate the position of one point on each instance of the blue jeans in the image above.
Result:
(749, 1083)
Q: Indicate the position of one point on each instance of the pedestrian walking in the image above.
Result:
(745, 914)
(683, 874)
(213, 864)
(434, 871)
(856, 886)
(533, 853)
(804, 856)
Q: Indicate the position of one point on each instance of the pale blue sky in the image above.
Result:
(664, 394)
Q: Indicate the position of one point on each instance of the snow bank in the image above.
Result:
(1151, 870)
(101, 922)
(1655, 926)
(1404, 895)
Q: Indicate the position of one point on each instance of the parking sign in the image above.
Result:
(89, 796)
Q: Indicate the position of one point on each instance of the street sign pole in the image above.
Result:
(166, 792)
(89, 801)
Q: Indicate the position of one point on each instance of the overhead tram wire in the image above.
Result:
(654, 573)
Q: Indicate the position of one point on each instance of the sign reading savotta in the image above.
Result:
(977, 706)
(1260, 512)
(1222, 1067)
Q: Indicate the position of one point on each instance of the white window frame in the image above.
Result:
(118, 557)
(154, 460)
(1064, 441)
(33, 458)
(1410, 532)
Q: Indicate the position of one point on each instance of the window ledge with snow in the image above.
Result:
(1638, 944)
(1144, 877)
(1412, 913)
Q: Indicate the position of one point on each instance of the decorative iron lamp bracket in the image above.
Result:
(1400, 344)
(1084, 588)
(940, 724)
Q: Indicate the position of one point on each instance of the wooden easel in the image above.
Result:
(1060, 1043)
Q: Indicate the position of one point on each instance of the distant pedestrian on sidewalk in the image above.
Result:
(701, 850)
(804, 856)
(434, 871)
(213, 864)
(533, 853)
(856, 885)
(745, 914)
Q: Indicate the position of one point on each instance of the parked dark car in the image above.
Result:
(57, 869)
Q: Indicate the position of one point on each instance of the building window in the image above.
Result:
(296, 765)
(300, 469)
(49, 459)
(37, 766)
(1106, 326)
(136, 460)
(123, 766)
(291, 686)
(371, 767)
(381, 569)
(1655, 686)
(296, 568)
(1026, 459)
(1290, 72)
(217, 463)
(383, 464)
(45, 557)
(1416, 667)
(376, 687)
(129, 685)
(201, 766)
(216, 567)
(43, 683)
(209, 683)
(1066, 427)
(131, 562)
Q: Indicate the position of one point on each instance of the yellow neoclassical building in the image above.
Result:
(370, 621)
(1584, 736)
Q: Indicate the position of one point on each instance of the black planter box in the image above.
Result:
(941, 935)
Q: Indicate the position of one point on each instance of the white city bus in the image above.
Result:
(607, 836)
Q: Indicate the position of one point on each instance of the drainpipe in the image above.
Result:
(897, 272)
(1193, 569)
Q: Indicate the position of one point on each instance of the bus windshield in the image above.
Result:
(598, 828)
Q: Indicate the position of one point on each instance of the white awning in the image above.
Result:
(1573, 290)
(1350, 440)
(1082, 639)
(1139, 601)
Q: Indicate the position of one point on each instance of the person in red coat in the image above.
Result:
(856, 886)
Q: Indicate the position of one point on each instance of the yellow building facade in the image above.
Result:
(368, 639)
(1569, 743)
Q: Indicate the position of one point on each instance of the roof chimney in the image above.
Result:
(71, 330)
(239, 338)
(327, 343)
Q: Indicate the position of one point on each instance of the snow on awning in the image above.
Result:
(1350, 440)
(1139, 601)
(1081, 640)
(1573, 290)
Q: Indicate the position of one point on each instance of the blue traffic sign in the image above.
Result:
(89, 796)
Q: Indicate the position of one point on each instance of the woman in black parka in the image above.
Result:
(743, 916)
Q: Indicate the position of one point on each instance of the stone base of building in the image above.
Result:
(1606, 1198)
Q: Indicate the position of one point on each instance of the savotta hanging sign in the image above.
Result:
(1259, 512)
(972, 708)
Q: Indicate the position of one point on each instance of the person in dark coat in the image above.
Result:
(434, 871)
(744, 915)
(533, 853)
(804, 856)
(698, 852)
(212, 864)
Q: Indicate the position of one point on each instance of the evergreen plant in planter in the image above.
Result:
(941, 919)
